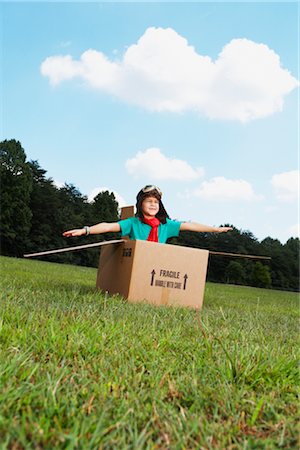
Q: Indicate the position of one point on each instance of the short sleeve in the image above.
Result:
(173, 228)
(126, 226)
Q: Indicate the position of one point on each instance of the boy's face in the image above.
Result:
(150, 207)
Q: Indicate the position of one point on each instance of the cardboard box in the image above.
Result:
(127, 211)
(161, 274)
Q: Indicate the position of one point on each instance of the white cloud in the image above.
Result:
(153, 164)
(122, 202)
(223, 189)
(162, 72)
(286, 185)
(93, 67)
(294, 230)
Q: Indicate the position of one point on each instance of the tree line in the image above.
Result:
(35, 212)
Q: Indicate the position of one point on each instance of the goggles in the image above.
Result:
(150, 188)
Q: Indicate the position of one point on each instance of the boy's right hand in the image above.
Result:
(71, 233)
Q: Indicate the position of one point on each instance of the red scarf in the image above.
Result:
(154, 223)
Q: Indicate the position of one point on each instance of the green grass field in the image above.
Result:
(81, 371)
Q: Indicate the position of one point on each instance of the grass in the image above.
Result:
(81, 371)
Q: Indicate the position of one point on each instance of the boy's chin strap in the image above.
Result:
(154, 224)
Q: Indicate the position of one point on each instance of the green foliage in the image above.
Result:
(105, 207)
(46, 223)
(261, 276)
(235, 273)
(15, 190)
(285, 262)
(83, 371)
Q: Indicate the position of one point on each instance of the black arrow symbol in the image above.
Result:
(185, 278)
(152, 278)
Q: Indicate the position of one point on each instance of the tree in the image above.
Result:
(75, 212)
(46, 223)
(235, 273)
(261, 276)
(105, 207)
(281, 261)
(15, 190)
(291, 254)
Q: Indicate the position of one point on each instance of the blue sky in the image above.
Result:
(200, 99)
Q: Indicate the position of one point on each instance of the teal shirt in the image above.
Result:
(137, 230)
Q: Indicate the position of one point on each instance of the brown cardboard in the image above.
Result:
(160, 274)
(126, 212)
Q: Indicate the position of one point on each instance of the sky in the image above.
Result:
(200, 99)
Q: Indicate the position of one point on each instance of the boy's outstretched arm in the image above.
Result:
(102, 227)
(200, 228)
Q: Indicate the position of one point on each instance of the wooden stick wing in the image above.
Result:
(119, 241)
(71, 249)
(239, 255)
